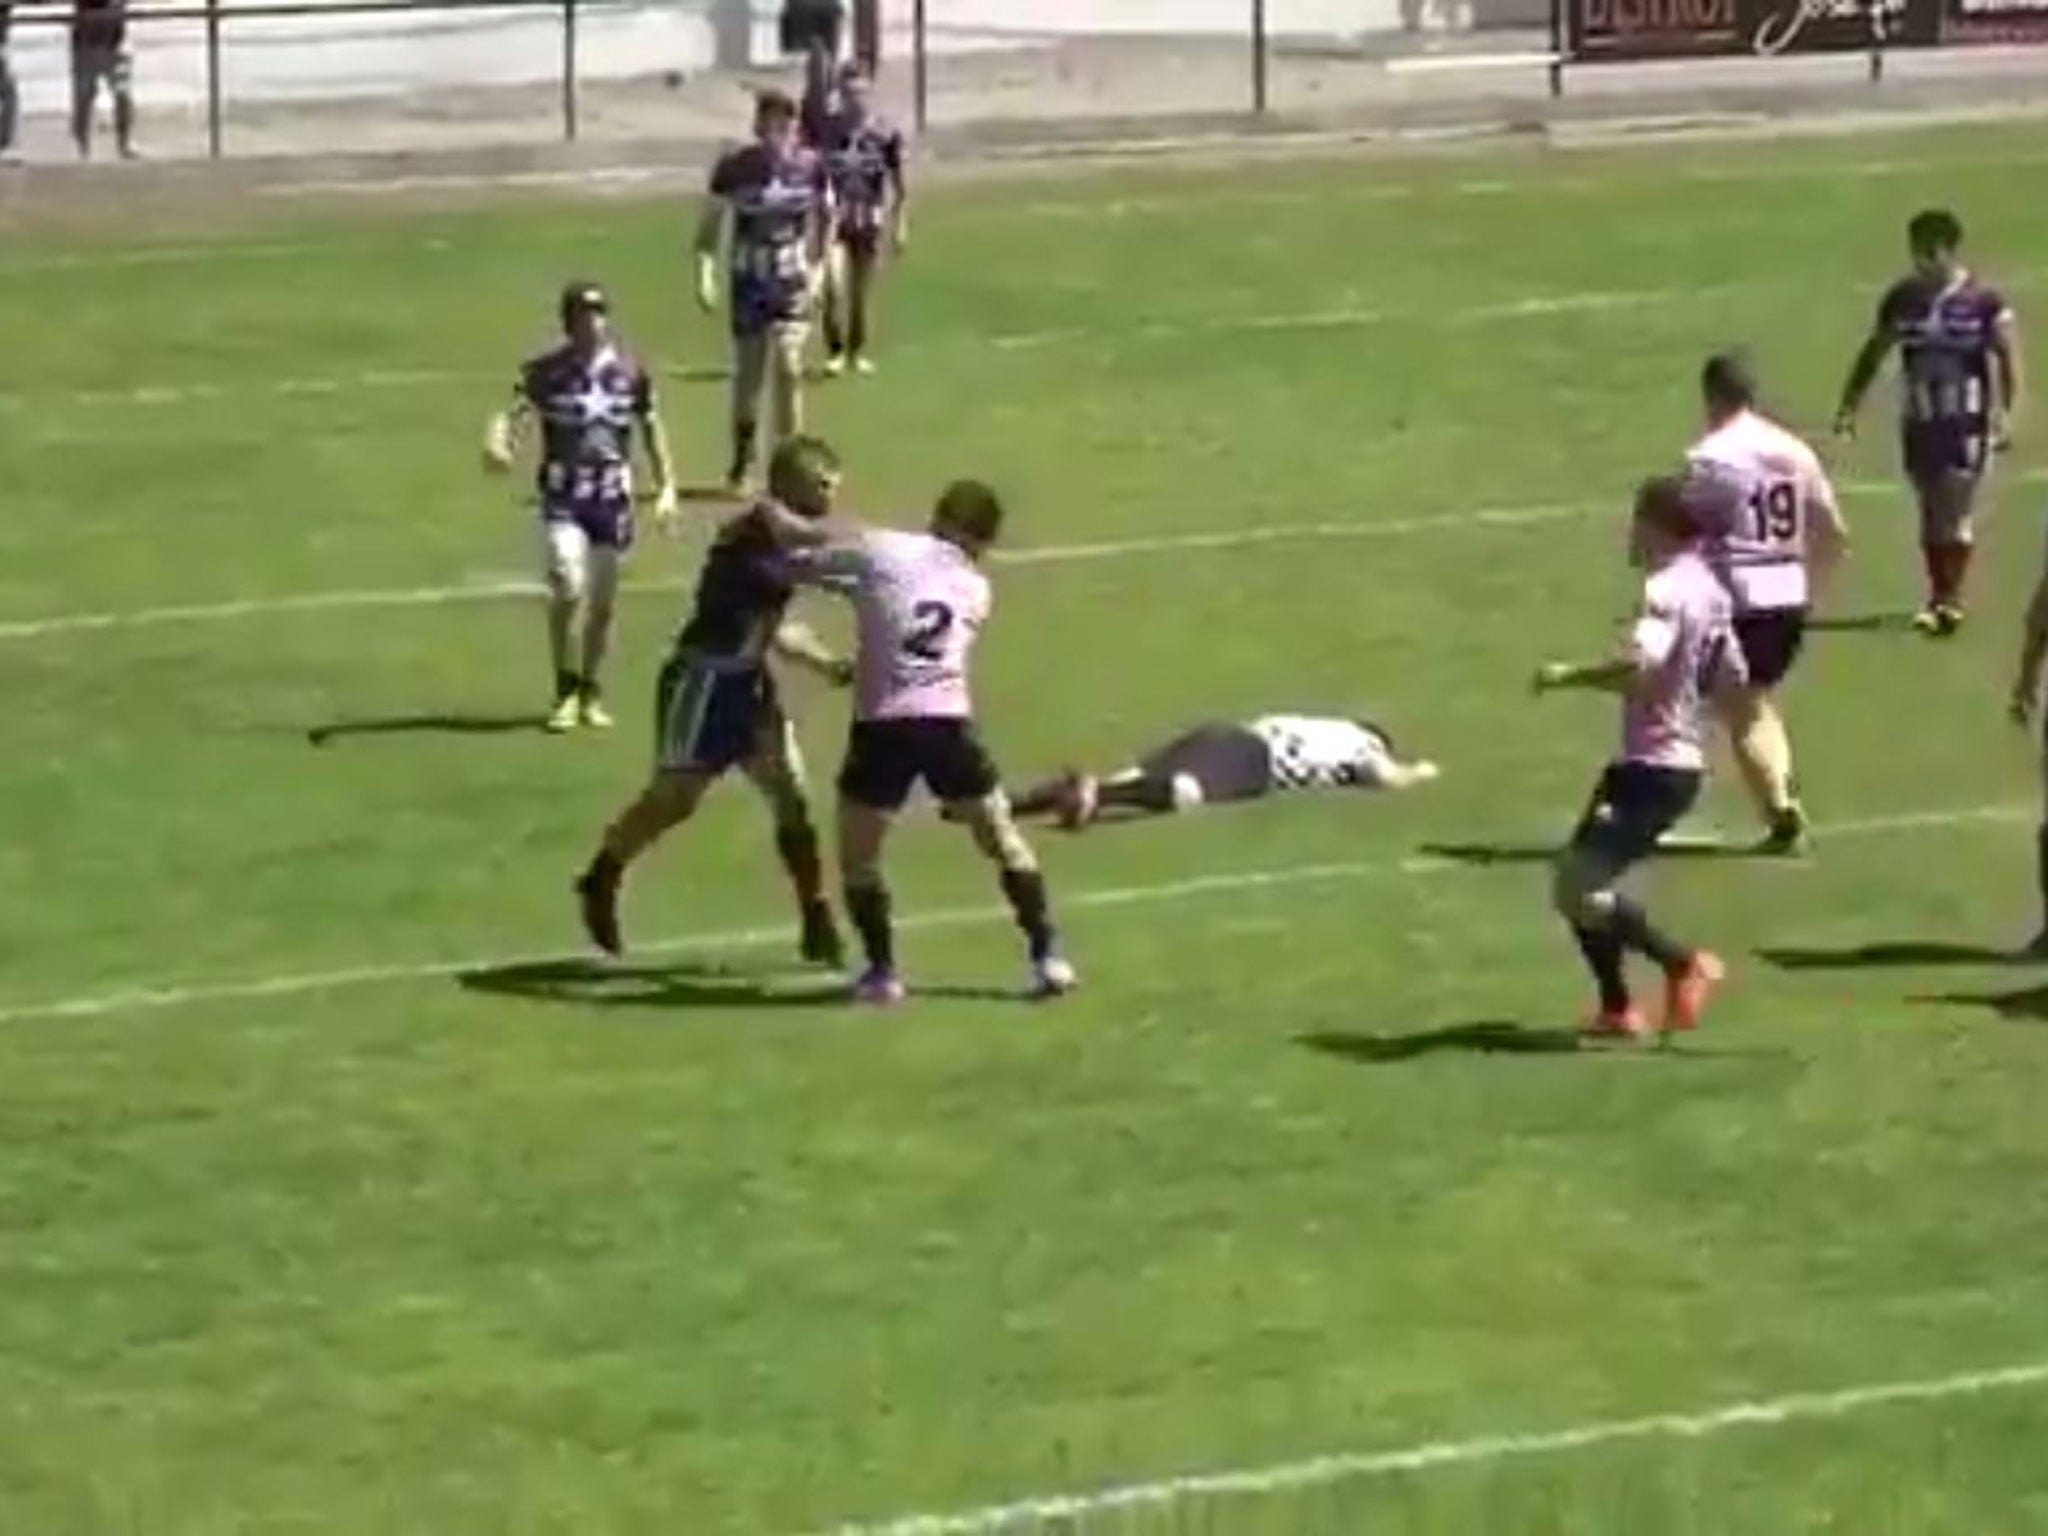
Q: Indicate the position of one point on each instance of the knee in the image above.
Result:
(1580, 894)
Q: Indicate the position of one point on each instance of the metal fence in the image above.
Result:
(672, 68)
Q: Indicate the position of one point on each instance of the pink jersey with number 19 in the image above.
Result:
(919, 604)
(1758, 488)
(1684, 648)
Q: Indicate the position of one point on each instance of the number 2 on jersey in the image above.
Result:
(930, 624)
(1774, 512)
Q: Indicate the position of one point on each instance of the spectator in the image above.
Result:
(10, 97)
(99, 53)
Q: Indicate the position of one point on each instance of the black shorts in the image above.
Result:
(1771, 639)
(1227, 761)
(712, 713)
(1632, 807)
(886, 759)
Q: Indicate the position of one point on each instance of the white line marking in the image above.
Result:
(497, 589)
(1051, 554)
(150, 998)
(1445, 63)
(1361, 1466)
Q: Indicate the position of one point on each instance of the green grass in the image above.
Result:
(683, 1251)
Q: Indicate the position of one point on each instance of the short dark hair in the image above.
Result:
(774, 103)
(1934, 229)
(582, 298)
(971, 508)
(1661, 502)
(798, 471)
(1728, 380)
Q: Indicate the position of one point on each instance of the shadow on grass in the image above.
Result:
(686, 985)
(2019, 1003)
(1896, 954)
(1483, 855)
(426, 725)
(1490, 1037)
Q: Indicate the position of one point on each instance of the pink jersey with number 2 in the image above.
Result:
(1684, 648)
(919, 604)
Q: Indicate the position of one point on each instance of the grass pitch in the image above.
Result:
(506, 1248)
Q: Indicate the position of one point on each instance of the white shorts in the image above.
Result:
(575, 567)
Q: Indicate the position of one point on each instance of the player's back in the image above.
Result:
(1685, 650)
(920, 602)
(743, 589)
(1759, 489)
(1317, 751)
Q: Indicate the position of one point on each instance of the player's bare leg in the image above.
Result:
(1762, 749)
(862, 832)
(124, 109)
(833, 305)
(84, 98)
(994, 830)
(568, 576)
(860, 287)
(670, 799)
(1947, 541)
(749, 375)
(1607, 925)
(777, 771)
(600, 603)
(786, 379)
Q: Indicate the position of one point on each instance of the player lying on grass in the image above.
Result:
(1681, 653)
(1218, 763)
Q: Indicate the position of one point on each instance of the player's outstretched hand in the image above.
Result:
(1552, 674)
(1845, 423)
(666, 508)
(2020, 708)
(840, 673)
(497, 460)
(2001, 433)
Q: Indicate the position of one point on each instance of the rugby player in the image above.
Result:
(2026, 702)
(1680, 651)
(1218, 763)
(589, 395)
(718, 706)
(1961, 372)
(1775, 532)
(920, 601)
(774, 195)
(864, 157)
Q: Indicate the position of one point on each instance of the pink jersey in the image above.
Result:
(1684, 648)
(1759, 490)
(919, 604)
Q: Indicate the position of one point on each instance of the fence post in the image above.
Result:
(213, 79)
(1557, 45)
(569, 70)
(1259, 57)
(920, 66)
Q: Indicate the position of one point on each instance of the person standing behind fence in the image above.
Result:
(99, 53)
(10, 95)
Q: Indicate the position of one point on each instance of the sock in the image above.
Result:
(1931, 559)
(2041, 870)
(1958, 572)
(1025, 890)
(606, 868)
(1038, 799)
(1143, 793)
(567, 685)
(1632, 929)
(743, 434)
(798, 846)
(1602, 950)
(857, 330)
(588, 687)
(868, 906)
(835, 341)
